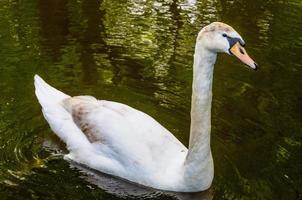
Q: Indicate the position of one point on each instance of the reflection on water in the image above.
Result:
(124, 189)
(140, 53)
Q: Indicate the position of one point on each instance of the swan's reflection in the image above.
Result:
(125, 189)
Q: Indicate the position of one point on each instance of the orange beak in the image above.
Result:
(238, 51)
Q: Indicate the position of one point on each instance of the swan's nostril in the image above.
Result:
(241, 51)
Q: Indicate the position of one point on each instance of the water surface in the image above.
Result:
(140, 53)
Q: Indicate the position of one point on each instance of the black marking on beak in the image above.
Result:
(232, 41)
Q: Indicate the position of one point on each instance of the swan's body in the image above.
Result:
(119, 140)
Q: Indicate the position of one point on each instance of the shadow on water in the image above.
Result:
(54, 25)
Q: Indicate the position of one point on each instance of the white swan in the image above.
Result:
(119, 140)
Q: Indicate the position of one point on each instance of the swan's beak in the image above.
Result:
(238, 51)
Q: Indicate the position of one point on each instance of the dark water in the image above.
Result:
(140, 53)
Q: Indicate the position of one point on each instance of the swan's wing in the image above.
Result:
(132, 136)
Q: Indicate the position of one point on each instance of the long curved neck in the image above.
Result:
(199, 163)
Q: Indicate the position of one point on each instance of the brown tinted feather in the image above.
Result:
(79, 108)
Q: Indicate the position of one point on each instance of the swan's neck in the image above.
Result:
(198, 169)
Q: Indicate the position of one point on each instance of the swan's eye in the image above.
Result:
(224, 35)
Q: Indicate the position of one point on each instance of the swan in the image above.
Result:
(119, 140)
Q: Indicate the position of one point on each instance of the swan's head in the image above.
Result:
(219, 37)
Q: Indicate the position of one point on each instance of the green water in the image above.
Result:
(140, 53)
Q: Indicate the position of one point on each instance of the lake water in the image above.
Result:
(139, 52)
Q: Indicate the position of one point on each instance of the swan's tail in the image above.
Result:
(46, 94)
(59, 119)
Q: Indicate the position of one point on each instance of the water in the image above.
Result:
(140, 53)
